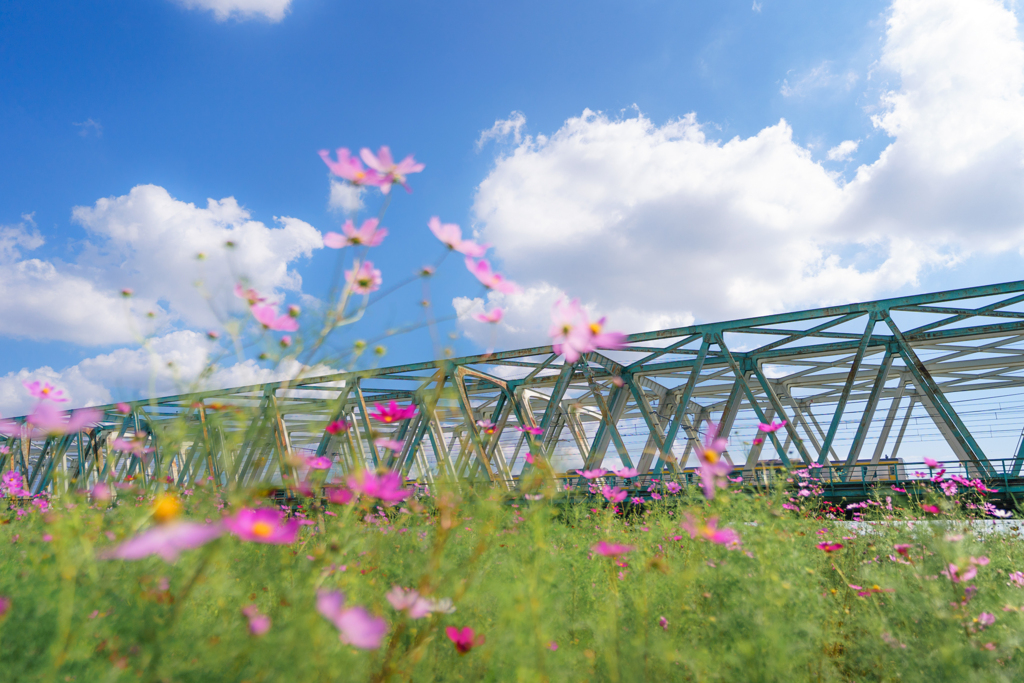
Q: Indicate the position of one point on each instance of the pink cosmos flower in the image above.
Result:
(491, 280)
(713, 468)
(535, 431)
(486, 426)
(626, 473)
(263, 526)
(897, 489)
(45, 390)
(553, 646)
(364, 278)
(319, 463)
(136, 446)
(355, 625)
(493, 316)
(673, 487)
(573, 334)
(592, 474)
(258, 623)
(339, 495)
(957, 574)
(389, 444)
(409, 601)
(934, 464)
(710, 531)
(47, 420)
(123, 408)
(251, 296)
(1016, 579)
(390, 172)
(613, 495)
(386, 487)
(757, 441)
(450, 235)
(350, 168)
(337, 427)
(933, 509)
(980, 561)
(165, 540)
(773, 427)
(267, 316)
(464, 639)
(369, 235)
(101, 492)
(829, 547)
(611, 549)
(392, 412)
(663, 623)
(902, 548)
(986, 619)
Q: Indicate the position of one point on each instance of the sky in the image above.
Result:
(664, 162)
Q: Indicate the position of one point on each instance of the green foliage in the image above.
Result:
(522, 574)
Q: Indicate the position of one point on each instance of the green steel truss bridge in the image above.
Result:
(852, 382)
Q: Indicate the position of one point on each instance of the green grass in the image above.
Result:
(776, 609)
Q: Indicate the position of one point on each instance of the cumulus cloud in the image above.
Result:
(148, 242)
(274, 10)
(820, 77)
(649, 223)
(843, 150)
(166, 365)
(345, 197)
(504, 129)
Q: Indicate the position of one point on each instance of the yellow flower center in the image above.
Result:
(166, 507)
(359, 177)
(710, 455)
(262, 529)
(595, 328)
(388, 418)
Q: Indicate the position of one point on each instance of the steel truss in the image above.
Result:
(846, 380)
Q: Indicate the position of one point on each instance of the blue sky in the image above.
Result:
(232, 99)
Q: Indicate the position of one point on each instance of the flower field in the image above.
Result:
(208, 584)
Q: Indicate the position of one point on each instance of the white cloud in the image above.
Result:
(148, 242)
(648, 223)
(756, 7)
(503, 129)
(819, 77)
(89, 127)
(168, 365)
(274, 10)
(345, 197)
(843, 150)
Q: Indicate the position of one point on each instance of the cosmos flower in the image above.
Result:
(369, 235)
(450, 235)
(258, 623)
(319, 463)
(350, 168)
(48, 420)
(267, 316)
(263, 526)
(409, 601)
(364, 278)
(390, 172)
(829, 547)
(392, 412)
(611, 549)
(771, 428)
(165, 540)
(535, 431)
(45, 390)
(709, 531)
(355, 625)
(492, 316)
(491, 280)
(465, 639)
(573, 334)
(386, 486)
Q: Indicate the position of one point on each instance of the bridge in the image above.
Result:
(851, 382)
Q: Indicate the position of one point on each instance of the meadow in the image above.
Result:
(204, 584)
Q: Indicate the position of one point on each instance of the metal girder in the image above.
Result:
(947, 348)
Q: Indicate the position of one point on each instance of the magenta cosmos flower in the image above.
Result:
(319, 463)
(493, 316)
(535, 431)
(488, 278)
(709, 531)
(267, 316)
(45, 390)
(613, 495)
(355, 625)
(48, 420)
(829, 547)
(957, 574)
(386, 486)
(263, 526)
(626, 473)
(391, 173)
(450, 235)
(611, 549)
(773, 427)
(13, 484)
(136, 446)
(337, 427)
(258, 623)
(392, 412)
(250, 295)
(464, 639)
(165, 540)
(364, 278)
(573, 334)
(369, 235)
(350, 168)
